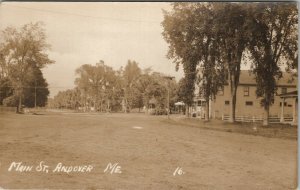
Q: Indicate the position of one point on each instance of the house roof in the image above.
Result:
(248, 78)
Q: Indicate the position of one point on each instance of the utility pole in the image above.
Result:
(35, 94)
(168, 106)
(168, 99)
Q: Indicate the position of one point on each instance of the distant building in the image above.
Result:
(248, 105)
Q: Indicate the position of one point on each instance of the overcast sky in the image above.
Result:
(84, 33)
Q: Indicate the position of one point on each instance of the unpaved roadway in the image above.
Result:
(147, 149)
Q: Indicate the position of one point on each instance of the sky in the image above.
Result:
(85, 33)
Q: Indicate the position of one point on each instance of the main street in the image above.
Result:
(137, 151)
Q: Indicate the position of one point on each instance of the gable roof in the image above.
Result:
(248, 78)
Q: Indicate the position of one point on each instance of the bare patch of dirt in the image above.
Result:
(210, 159)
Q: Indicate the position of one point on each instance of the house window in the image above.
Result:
(285, 104)
(249, 103)
(226, 102)
(283, 90)
(246, 91)
(199, 103)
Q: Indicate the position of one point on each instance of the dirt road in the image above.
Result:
(148, 150)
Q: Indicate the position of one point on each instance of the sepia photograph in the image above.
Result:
(149, 95)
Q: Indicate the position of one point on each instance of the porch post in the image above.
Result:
(282, 110)
(295, 119)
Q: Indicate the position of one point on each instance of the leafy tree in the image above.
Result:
(186, 93)
(21, 49)
(273, 40)
(69, 99)
(212, 72)
(97, 83)
(85, 83)
(36, 91)
(117, 92)
(155, 86)
(131, 75)
(211, 34)
(5, 89)
(157, 89)
(190, 31)
(141, 85)
(211, 78)
(231, 22)
(183, 48)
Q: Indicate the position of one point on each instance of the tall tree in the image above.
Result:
(68, 99)
(141, 85)
(211, 76)
(183, 38)
(97, 83)
(20, 49)
(157, 89)
(273, 40)
(36, 91)
(193, 37)
(231, 22)
(131, 74)
(212, 72)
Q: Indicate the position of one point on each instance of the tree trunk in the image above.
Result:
(126, 105)
(107, 106)
(207, 109)
(233, 84)
(101, 105)
(129, 108)
(19, 110)
(266, 116)
(234, 68)
(187, 111)
(232, 108)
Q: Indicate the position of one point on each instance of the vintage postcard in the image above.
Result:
(148, 95)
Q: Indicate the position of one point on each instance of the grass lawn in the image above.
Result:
(283, 131)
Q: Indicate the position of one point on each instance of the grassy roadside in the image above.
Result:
(272, 131)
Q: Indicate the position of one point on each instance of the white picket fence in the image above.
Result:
(272, 119)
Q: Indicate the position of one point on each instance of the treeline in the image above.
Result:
(22, 56)
(100, 88)
(216, 37)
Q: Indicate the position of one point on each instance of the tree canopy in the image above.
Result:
(101, 88)
(23, 53)
(215, 37)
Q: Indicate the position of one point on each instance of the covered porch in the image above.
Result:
(294, 96)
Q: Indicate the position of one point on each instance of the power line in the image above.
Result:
(48, 86)
(86, 16)
(36, 87)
